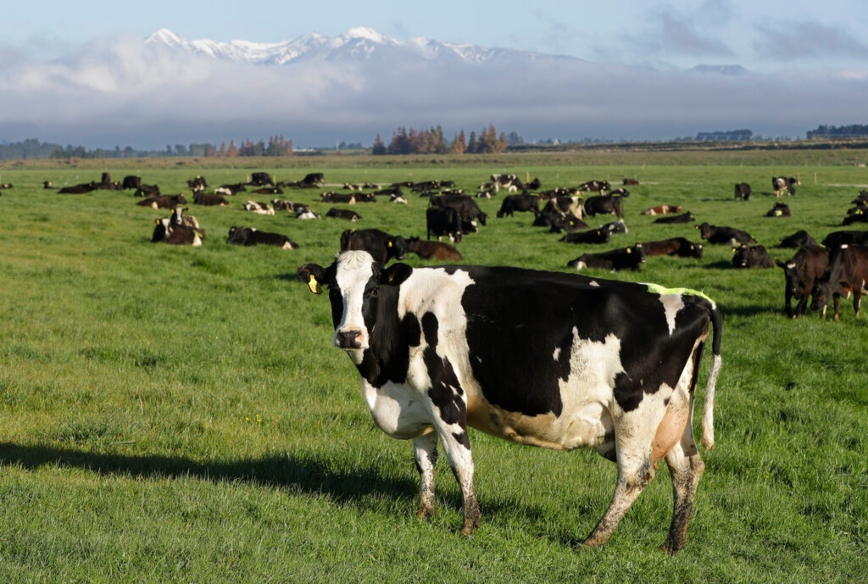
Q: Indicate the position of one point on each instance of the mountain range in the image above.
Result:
(357, 44)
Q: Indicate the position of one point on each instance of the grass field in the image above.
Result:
(178, 414)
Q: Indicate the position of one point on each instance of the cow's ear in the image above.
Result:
(312, 275)
(395, 274)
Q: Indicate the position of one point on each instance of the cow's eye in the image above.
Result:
(372, 293)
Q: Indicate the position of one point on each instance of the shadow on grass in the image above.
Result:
(353, 484)
(305, 474)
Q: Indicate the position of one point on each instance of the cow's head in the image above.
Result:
(356, 284)
(820, 295)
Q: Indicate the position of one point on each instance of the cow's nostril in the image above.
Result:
(348, 339)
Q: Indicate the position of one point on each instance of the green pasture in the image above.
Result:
(177, 414)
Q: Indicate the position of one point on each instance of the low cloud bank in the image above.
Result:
(120, 91)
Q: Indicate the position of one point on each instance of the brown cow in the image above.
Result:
(433, 250)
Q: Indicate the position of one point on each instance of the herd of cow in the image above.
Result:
(826, 272)
(506, 350)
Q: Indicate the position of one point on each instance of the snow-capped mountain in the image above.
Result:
(357, 44)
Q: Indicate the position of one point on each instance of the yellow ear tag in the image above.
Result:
(313, 285)
(629, 250)
(389, 244)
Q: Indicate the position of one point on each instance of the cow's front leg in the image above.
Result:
(456, 444)
(425, 448)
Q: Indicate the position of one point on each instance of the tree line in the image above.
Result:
(32, 148)
(851, 131)
(433, 141)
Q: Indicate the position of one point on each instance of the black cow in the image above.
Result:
(602, 364)
(847, 273)
(163, 201)
(442, 221)
(838, 238)
(343, 214)
(807, 266)
(676, 246)
(725, 235)
(78, 189)
(381, 245)
(593, 236)
(800, 238)
(210, 200)
(625, 258)
(312, 179)
(783, 184)
(519, 203)
(260, 179)
(248, 236)
(467, 208)
(131, 182)
(858, 216)
(742, 191)
(752, 256)
(779, 210)
(675, 219)
(144, 190)
(603, 205)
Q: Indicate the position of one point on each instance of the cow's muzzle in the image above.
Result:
(348, 339)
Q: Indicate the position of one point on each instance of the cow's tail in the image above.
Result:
(708, 409)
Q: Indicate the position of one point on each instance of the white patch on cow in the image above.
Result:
(594, 283)
(672, 303)
(398, 410)
(556, 355)
(581, 266)
(354, 271)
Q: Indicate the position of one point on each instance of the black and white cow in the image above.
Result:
(259, 208)
(248, 236)
(176, 234)
(625, 258)
(603, 205)
(742, 191)
(784, 184)
(602, 364)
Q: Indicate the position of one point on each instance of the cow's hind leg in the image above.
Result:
(634, 473)
(425, 448)
(685, 468)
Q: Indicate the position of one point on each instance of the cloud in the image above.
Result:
(794, 41)
(119, 91)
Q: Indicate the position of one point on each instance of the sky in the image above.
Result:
(762, 35)
(815, 52)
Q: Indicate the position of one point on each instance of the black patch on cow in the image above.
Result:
(388, 357)
(445, 392)
(513, 335)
